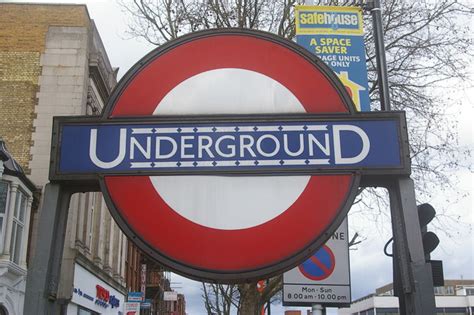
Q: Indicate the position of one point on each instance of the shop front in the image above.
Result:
(93, 296)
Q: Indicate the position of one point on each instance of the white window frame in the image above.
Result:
(21, 195)
(16, 186)
(4, 215)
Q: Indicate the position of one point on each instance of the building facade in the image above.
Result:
(456, 297)
(145, 275)
(53, 62)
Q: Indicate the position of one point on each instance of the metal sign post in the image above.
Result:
(417, 296)
(376, 10)
(43, 274)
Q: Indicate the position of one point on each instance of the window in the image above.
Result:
(19, 211)
(456, 311)
(439, 291)
(4, 191)
(450, 290)
(452, 311)
(470, 291)
(90, 204)
(85, 311)
(387, 311)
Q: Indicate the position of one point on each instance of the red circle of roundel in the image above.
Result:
(202, 252)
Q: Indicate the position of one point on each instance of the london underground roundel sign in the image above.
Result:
(228, 155)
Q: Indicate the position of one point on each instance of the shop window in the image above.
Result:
(387, 311)
(470, 291)
(85, 311)
(456, 311)
(452, 311)
(4, 190)
(18, 226)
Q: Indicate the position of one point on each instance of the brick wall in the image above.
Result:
(19, 73)
(23, 29)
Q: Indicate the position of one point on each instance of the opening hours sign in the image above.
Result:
(215, 149)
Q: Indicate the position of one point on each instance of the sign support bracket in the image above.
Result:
(43, 273)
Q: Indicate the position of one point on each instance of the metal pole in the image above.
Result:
(43, 274)
(318, 309)
(416, 284)
(382, 74)
(416, 294)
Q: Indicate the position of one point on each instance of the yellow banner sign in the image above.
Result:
(328, 20)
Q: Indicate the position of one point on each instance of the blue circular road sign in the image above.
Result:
(319, 266)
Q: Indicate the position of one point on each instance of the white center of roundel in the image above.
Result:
(225, 202)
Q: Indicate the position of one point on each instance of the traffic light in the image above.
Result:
(426, 213)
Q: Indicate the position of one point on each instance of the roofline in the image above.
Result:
(26, 181)
(49, 4)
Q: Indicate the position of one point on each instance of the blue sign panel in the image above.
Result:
(135, 296)
(346, 56)
(234, 146)
(335, 35)
(145, 305)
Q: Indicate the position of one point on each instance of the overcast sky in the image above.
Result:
(369, 267)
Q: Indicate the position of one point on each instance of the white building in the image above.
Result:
(455, 298)
(16, 197)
